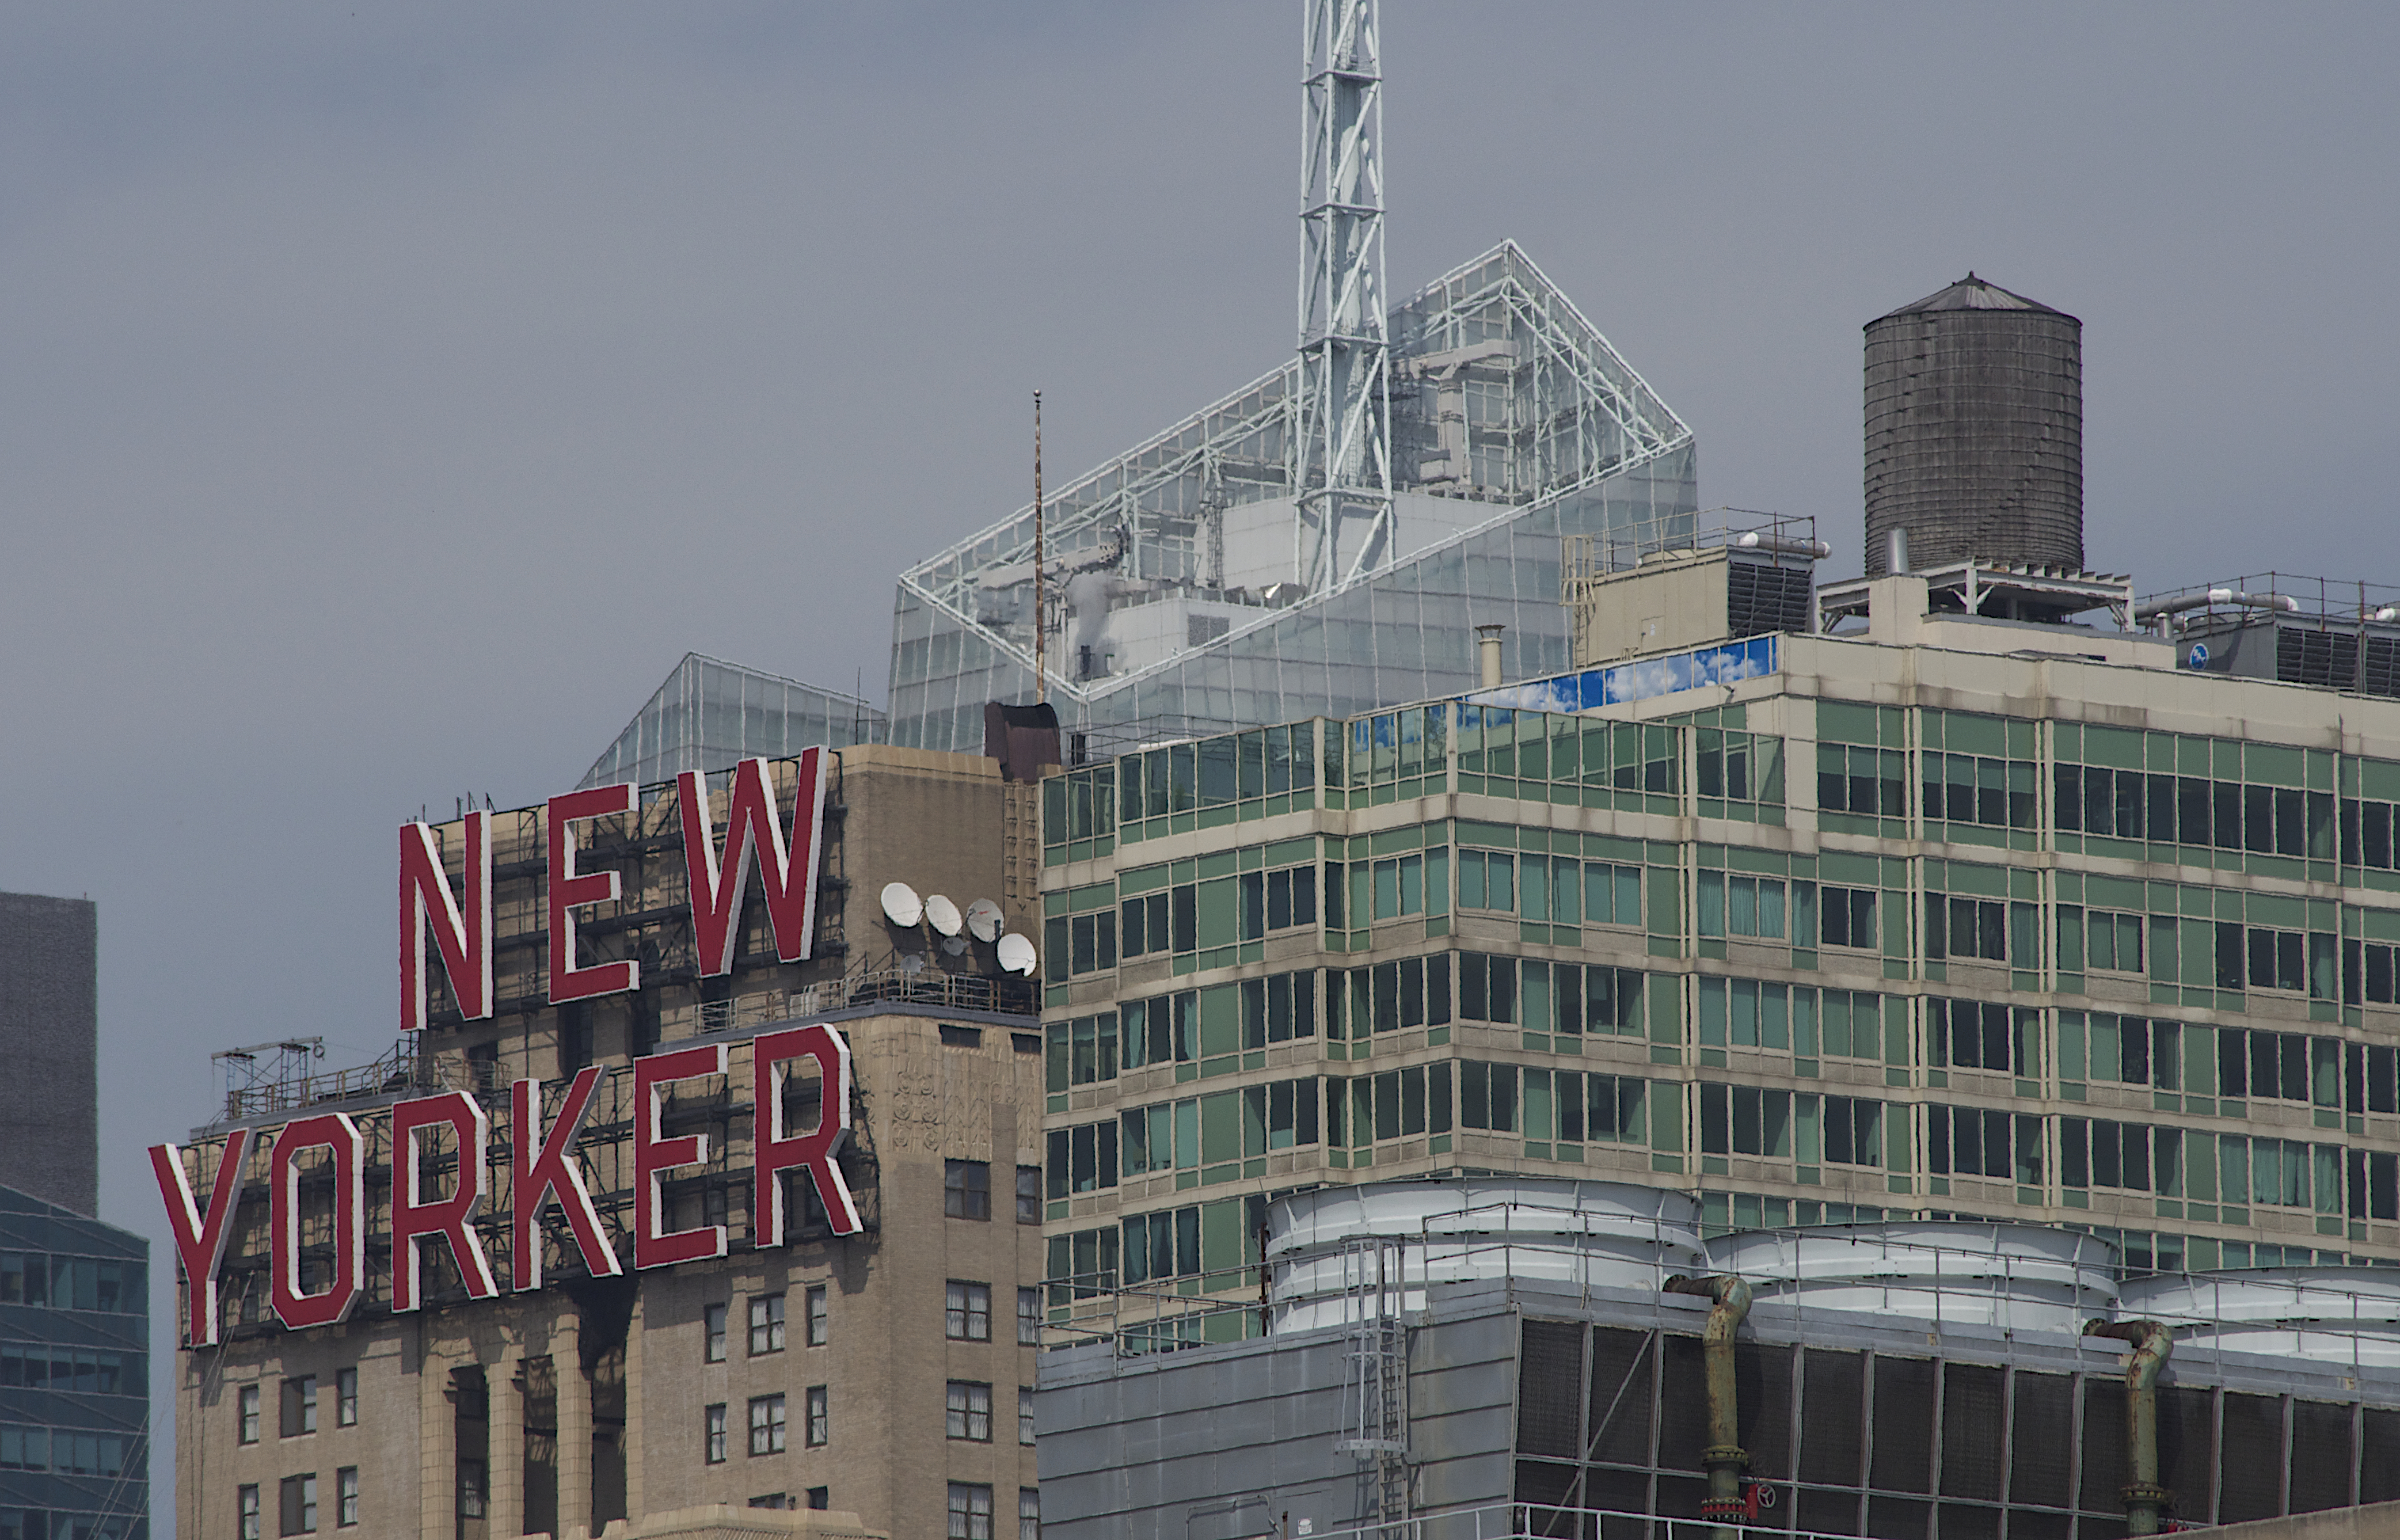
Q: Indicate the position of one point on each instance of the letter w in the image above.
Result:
(753, 838)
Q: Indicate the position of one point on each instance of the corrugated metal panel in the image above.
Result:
(1462, 1390)
(1902, 1454)
(1971, 1400)
(1550, 1390)
(2103, 1446)
(1835, 1396)
(2187, 1439)
(2379, 1459)
(1896, 1434)
(2321, 1456)
(2252, 1486)
(1624, 1395)
(2041, 1463)
(1126, 1443)
(1762, 1378)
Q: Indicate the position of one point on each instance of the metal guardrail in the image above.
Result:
(2342, 601)
(926, 986)
(410, 1065)
(871, 986)
(1585, 559)
(405, 1066)
(1527, 1521)
(1091, 1307)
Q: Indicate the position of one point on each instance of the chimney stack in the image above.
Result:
(1487, 645)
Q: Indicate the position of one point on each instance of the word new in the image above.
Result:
(542, 1168)
(461, 921)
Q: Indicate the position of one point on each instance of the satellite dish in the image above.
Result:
(1016, 954)
(942, 914)
(954, 946)
(983, 920)
(901, 905)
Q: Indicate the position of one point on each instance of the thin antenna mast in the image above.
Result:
(1041, 675)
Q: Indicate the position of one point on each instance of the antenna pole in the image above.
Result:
(1342, 446)
(1041, 675)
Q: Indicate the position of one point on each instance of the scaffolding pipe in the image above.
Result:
(1782, 545)
(2152, 1341)
(1724, 1458)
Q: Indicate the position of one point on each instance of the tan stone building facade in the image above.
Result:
(875, 1376)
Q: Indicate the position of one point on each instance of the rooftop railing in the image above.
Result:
(2330, 600)
(405, 1066)
(1585, 559)
(1524, 1521)
(413, 1066)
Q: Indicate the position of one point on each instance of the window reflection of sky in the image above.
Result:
(1642, 679)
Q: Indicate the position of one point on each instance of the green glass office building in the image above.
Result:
(1946, 915)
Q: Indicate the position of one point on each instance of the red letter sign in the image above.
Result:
(540, 1168)
(331, 1131)
(465, 939)
(812, 1151)
(201, 1243)
(570, 889)
(753, 835)
(415, 1220)
(653, 1244)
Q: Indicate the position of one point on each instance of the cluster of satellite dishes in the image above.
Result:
(980, 919)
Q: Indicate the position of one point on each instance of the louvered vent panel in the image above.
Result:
(2383, 666)
(1761, 597)
(2316, 657)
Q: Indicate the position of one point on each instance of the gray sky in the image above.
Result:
(388, 399)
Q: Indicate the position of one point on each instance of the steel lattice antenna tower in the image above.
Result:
(1342, 440)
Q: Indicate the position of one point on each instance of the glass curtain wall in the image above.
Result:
(1514, 424)
(710, 714)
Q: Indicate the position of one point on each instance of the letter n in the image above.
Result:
(463, 934)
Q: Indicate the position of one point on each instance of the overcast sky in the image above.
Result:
(389, 398)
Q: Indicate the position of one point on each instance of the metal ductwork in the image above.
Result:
(2152, 1341)
(1724, 1459)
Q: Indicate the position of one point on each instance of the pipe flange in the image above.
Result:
(2141, 1492)
(1724, 1454)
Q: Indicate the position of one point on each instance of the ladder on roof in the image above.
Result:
(1376, 1430)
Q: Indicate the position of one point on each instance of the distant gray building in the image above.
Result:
(49, 1039)
(74, 1375)
(74, 1293)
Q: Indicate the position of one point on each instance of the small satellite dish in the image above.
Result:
(983, 920)
(1016, 954)
(954, 946)
(942, 914)
(901, 905)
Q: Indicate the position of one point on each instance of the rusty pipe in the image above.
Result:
(1724, 1458)
(2152, 1341)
